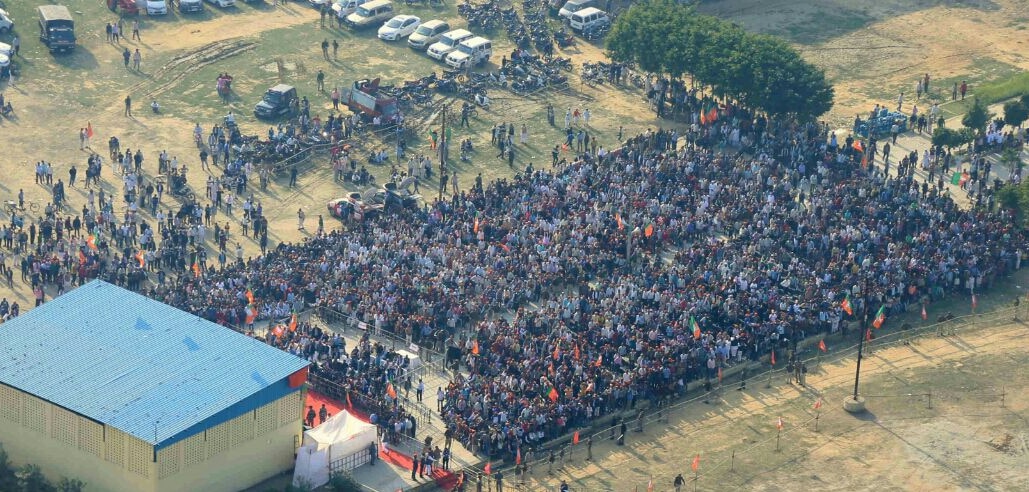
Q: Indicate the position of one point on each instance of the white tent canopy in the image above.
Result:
(340, 436)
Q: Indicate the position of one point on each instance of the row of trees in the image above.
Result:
(759, 71)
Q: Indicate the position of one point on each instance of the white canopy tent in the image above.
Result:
(340, 436)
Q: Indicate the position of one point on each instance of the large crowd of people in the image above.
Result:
(626, 273)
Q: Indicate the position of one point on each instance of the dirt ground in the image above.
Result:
(873, 49)
(973, 438)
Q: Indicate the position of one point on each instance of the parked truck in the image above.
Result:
(364, 97)
(56, 28)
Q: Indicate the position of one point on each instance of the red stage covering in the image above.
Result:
(445, 479)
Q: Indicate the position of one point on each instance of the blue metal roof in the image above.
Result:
(134, 363)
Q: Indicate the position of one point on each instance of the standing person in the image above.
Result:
(335, 98)
(136, 58)
(320, 79)
(586, 117)
(322, 414)
(109, 30)
(439, 399)
(414, 466)
(525, 134)
(963, 89)
(135, 30)
(925, 84)
(325, 48)
(954, 92)
(900, 101)
(678, 482)
(128, 106)
(82, 138)
(335, 49)
(16, 45)
(589, 448)
(126, 56)
(420, 390)
(300, 219)
(293, 176)
(310, 416)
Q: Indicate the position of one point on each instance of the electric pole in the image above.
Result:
(442, 154)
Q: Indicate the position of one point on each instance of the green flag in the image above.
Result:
(956, 178)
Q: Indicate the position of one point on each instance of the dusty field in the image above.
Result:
(973, 438)
(873, 49)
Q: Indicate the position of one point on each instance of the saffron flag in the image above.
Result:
(778, 424)
(864, 161)
(695, 328)
(880, 317)
(649, 231)
(576, 353)
(696, 463)
(925, 315)
(553, 395)
(82, 257)
(858, 146)
(712, 115)
(251, 314)
(250, 296)
(618, 218)
(505, 247)
(196, 269)
(600, 360)
(650, 485)
(773, 357)
(390, 391)
(703, 116)
(821, 346)
(277, 331)
(557, 353)
(575, 438)
(846, 307)
(140, 258)
(293, 323)
(475, 225)
(818, 404)
(89, 130)
(91, 241)
(475, 347)
(487, 469)
(518, 456)
(975, 301)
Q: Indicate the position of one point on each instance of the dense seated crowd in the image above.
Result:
(733, 254)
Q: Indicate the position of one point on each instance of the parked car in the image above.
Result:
(343, 8)
(56, 28)
(278, 101)
(369, 14)
(470, 52)
(427, 34)
(6, 22)
(156, 7)
(357, 205)
(191, 6)
(222, 3)
(588, 19)
(399, 27)
(447, 43)
(400, 196)
(573, 6)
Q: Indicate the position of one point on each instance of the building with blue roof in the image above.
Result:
(127, 393)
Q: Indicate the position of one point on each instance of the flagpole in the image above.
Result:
(778, 434)
(856, 404)
(817, 415)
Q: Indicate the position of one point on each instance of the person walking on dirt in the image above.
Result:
(300, 219)
(110, 30)
(128, 106)
(335, 49)
(320, 79)
(292, 176)
(135, 30)
(126, 56)
(136, 58)
(325, 49)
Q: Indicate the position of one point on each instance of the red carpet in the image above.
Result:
(444, 478)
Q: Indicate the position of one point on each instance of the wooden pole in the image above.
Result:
(817, 416)
(778, 434)
(732, 463)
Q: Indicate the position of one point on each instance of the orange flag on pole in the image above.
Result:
(818, 404)
(293, 323)
(140, 258)
(475, 347)
(575, 438)
(778, 424)
(251, 314)
(821, 346)
(845, 305)
(82, 257)
(196, 269)
(553, 395)
(975, 302)
(618, 218)
(696, 463)
(925, 315)
(487, 469)
(250, 296)
(390, 391)
(89, 130)
(518, 456)
(649, 231)
(600, 360)
(773, 357)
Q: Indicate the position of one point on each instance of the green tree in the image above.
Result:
(977, 117)
(70, 485)
(31, 479)
(1016, 197)
(1015, 113)
(759, 71)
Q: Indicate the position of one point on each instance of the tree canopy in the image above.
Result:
(759, 71)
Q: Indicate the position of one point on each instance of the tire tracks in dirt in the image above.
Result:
(189, 62)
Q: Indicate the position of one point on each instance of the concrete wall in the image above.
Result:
(229, 457)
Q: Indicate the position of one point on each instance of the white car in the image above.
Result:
(318, 3)
(399, 27)
(222, 3)
(156, 7)
(6, 22)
